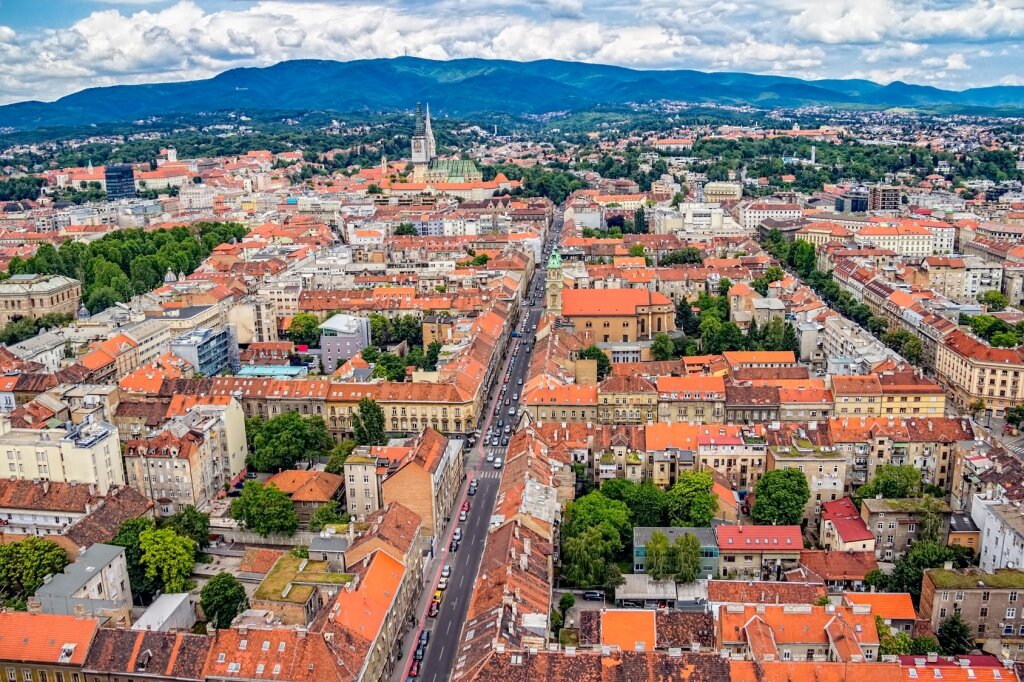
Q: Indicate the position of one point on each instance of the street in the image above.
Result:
(446, 628)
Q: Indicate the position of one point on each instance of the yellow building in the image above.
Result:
(627, 400)
(619, 315)
(972, 370)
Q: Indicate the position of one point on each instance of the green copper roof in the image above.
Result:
(555, 260)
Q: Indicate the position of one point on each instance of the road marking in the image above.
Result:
(448, 629)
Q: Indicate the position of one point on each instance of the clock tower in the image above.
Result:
(553, 284)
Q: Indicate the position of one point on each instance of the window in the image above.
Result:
(911, 527)
(983, 612)
(1013, 597)
(1011, 612)
(959, 596)
(26, 674)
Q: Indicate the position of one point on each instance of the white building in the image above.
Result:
(751, 215)
(79, 453)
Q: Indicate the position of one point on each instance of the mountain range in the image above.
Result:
(468, 86)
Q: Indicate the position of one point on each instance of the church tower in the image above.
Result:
(429, 135)
(419, 138)
(553, 284)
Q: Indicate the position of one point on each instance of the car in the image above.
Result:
(465, 505)
(438, 596)
(512, 411)
(420, 653)
(462, 515)
(508, 428)
(442, 584)
(414, 669)
(533, 328)
(497, 463)
(501, 422)
(471, 491)
(446, 572)
(490, 456)
(515, 397)
(457, 535)
(435, 608)
(508, 401)
(494, 442)
(454, 546)
(593, 595)
(424, 637)
(504, 441)
(520, 381)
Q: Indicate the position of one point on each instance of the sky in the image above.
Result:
(50, 48)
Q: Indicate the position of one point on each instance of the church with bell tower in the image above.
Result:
(553, 284)
(426, 167)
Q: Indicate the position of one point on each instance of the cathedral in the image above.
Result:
(426, 166)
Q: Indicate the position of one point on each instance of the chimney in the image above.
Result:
(46, 487)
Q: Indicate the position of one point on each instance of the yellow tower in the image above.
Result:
(553, 284)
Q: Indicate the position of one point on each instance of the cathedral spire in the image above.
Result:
(428, 133)
(419, 129)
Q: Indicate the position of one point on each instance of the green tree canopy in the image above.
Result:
(604, 363)
(994, 300)
(780, 497)
(341, 451)
(128, 536)
(264, 510)
(688, 551)
(305, 330)
(280, 442)
(892, 481)
(168, 558)
(955, 636)
(368, 423)
(222, 598)
(692, 501)
(24, 565)
(191, 523)
(327, 514)
(662, 347)
(593, 510)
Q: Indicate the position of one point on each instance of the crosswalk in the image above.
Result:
(488, 473)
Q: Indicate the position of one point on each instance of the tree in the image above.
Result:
(774, 274)
(780, 497)
(368, 423)
(955, 637)
(646, 504)
(191, 523)
(976, 407)
(339, 454)
(909, 568)
(222, 599)
(892, 481)
(305, 330)
(23, 567)
(168, 558)
(327, 514)
(994, 300)
(912, 350)
(406, 230)
(565, 603)
(593, 510)
(688, 552)
(604, 363)
(640, 221)
(264, 510)
(658, 565)
(128, 536)
(692, 501)
(662, 347)
(288, 438)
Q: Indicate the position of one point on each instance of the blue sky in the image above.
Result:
(50, 48)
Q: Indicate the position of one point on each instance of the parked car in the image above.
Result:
(420, 652)
(435, 608)
(497, 463)
(438, 596)
(462, 515)
(414, 669)
(465, 505)
(446, 572)
(424, 637)
(593, 595)
(454, 546)
(471, 492)
(490, 456)
(442, 584)
(504, 441)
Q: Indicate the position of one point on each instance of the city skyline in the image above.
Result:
(95, 43)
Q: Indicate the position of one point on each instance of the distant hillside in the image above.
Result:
(467, 86)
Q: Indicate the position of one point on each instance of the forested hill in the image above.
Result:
(467, 86)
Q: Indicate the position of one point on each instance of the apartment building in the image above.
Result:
(842, 528)
(798, 632)
(79, 453)
(991, 603)
(427, 480)
(962, 279)
(883, 198)
(757, 552)
(147, 656)
(897, 523)
(972, 370)
(904, 240)
(309, 490)
(37, 295)
(693, 399)
(47, 646)
(95, 582)
(191, 458)
(810, 451)
(753, 214)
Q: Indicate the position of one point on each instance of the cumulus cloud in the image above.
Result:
(928, 41)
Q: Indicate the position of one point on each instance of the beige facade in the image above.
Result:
(86, 453)
(971, 370)
(991, 604)
(38, 295)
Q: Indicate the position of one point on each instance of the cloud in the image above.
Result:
(926, 41)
